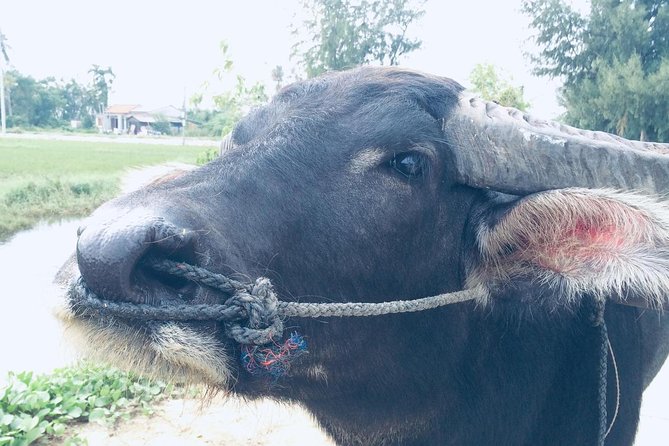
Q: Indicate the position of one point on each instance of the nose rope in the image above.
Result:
(253, 314)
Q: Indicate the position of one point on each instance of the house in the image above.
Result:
(134, 119)
(115, 118)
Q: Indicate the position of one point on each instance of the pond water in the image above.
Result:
(30, 335)
(32, 339)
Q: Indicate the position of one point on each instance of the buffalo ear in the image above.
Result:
(559, 246)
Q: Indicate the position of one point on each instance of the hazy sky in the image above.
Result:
(159, 48)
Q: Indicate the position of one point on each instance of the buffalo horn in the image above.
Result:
(503, 149)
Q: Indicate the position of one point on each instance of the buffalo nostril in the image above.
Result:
(111, 255)
(144, 276)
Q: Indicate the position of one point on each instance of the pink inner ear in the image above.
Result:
(574, 235)
(577, 240)
(585, 245)
(605, 235)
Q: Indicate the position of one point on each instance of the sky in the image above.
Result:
(162, 51)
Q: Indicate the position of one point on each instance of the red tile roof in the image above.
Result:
(121, 109)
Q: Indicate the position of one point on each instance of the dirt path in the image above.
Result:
(226, 421)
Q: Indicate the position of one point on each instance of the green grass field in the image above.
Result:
(50, 180)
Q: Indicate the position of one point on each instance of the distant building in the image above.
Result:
(134, 119)
(115, 118)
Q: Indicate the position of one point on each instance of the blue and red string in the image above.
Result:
(273, 361)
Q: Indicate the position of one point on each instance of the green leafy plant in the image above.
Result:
(493, 86)
(206, 156)
(36, 407)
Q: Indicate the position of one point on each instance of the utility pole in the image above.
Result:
(183, 120)
(3, 113)
(4, 58)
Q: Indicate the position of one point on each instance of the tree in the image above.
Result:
(23, 91)
(100, 87)
(487, 82)
(231, 103)
(75, 98)
(614, 62)
(34, 103)
(343, 34)
(277, 77)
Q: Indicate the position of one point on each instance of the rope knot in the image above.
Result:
(260, 305)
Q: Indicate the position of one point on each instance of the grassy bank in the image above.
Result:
(50, 180)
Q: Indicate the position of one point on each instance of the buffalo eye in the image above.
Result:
(409, 164)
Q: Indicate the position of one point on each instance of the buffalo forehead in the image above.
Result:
(360, 108)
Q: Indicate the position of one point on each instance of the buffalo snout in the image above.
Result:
(111, 255)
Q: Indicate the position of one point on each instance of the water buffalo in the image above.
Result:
(379, 184)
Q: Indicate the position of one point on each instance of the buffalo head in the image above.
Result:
(381, 184)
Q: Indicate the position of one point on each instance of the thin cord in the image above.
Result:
(615, 370)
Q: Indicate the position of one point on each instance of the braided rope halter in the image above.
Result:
(253, 314)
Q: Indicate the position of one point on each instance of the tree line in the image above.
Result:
(48, 102)
(613, 61)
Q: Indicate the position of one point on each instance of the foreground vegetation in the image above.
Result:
(50, 180)
(40, 407)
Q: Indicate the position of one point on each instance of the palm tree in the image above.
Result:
(3, 61)
(102, 82)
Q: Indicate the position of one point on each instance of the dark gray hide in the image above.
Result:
(376, 184)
